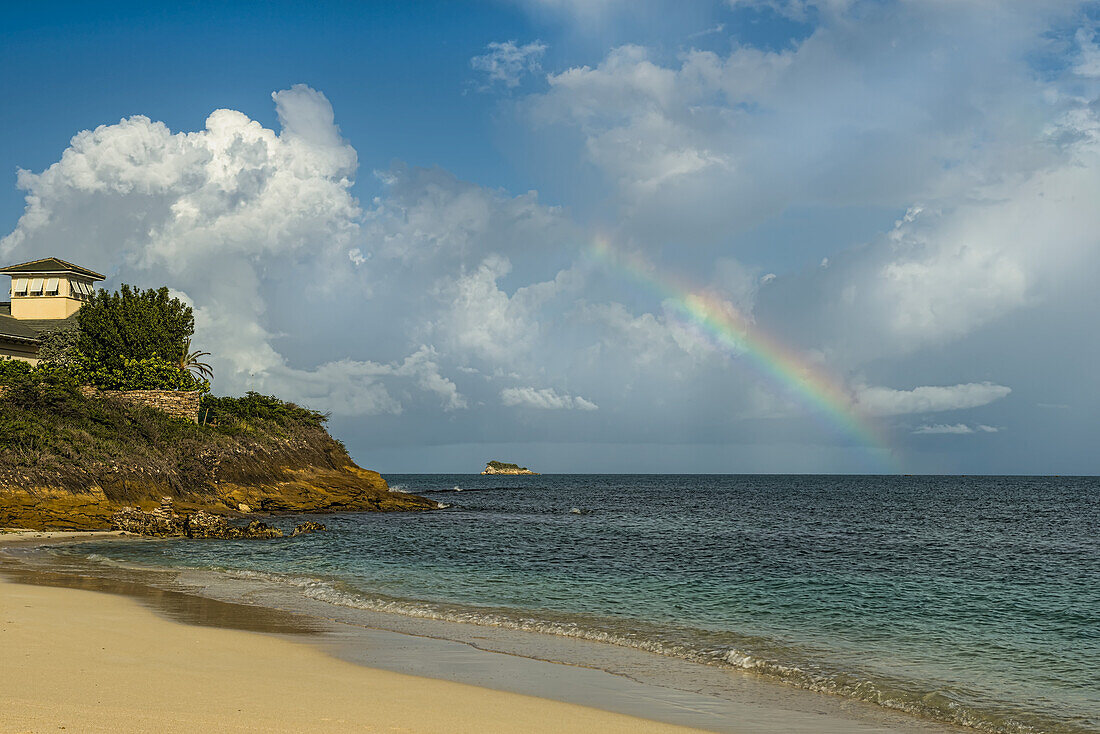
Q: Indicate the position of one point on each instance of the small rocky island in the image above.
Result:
(500, 467)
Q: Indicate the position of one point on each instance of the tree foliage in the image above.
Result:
(58, 346)
(128, 340)
(191, 362)
(132, 324)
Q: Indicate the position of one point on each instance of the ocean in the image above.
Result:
(967, 600)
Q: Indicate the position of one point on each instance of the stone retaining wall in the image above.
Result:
(179, 403)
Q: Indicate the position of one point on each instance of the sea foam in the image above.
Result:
(888, 694)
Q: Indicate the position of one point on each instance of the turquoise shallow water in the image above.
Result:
(973, 600)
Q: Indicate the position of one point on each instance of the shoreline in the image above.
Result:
(171, 677)
(445, 653)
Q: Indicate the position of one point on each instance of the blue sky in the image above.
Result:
(386, 211)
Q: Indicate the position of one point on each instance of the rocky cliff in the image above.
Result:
(68, 461)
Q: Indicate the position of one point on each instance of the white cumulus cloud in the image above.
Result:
(481, 320)
(544, 399)
(883, 401)
(214, 214)
(957, 428)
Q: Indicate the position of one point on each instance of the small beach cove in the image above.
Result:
(102, 663)
(896, 603)
(518, 688)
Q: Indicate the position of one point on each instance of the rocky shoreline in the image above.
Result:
(165, 522)
(284, 490)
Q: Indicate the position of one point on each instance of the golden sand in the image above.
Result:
(91, 662)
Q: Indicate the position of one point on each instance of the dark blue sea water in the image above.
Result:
(973, 600)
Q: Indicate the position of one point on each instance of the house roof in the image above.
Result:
(41, 326)
(15, 329)
(50, 265)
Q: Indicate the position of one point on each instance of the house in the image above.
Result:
(45, 296)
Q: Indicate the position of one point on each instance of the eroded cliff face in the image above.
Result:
(305, 471)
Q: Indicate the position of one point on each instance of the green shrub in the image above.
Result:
(44, 390)
(149, 373)
(48, 426)
(255, 407)
(13, 370)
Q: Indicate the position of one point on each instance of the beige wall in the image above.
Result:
(21, 352)
(43, 307)
(61, 306)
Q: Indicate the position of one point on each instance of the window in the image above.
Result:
(51, 286)
(36, 286)
(19, 286)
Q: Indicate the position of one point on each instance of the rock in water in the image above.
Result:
(308, 527)
(165, 522)
(258, 529)
(202, 524)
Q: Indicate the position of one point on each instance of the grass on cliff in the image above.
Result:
(230, 415)
(51, 434)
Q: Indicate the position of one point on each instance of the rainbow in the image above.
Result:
(732, 331)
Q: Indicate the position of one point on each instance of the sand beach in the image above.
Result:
(92, 662)
(96, 655)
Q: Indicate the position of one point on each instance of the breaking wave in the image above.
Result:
(755, 655)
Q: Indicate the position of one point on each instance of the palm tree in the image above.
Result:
(190, 362)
